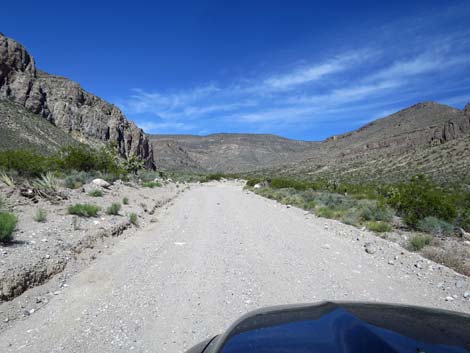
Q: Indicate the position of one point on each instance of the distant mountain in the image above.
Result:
(428, 138)
(225, 152)
(64, 104)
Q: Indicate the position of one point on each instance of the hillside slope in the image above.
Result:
(66, 105)
(20, 127)
(428, 138)
(226, 152)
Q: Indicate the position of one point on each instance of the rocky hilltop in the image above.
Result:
(428, 138)
(66, 105)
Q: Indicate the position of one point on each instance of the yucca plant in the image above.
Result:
(7, 180)
(47, 182)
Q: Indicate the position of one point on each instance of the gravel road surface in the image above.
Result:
(216, 253)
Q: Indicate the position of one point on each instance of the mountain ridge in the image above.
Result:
(66, 105)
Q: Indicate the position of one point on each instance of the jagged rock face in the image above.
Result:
(65, 104)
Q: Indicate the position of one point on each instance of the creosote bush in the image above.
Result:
(114, 209)
(8, 222)
(40, 215)
(84, 210)
(125, 200)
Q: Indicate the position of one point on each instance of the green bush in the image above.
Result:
(85, 158)
(114, 209)
(151, 184)
(421, 198)
(252, 182)
(125, 200)
(84, 210)
(419, 241)
(8, 222)
(96, 193)
(283, 183)
(375, 211)
(325, 212)
(40, 215)
(213, 177)
(351, 217)
(378, 226)
(435, 226)
(24, 162)
(133, 219)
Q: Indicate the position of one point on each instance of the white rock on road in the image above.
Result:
(215, 254)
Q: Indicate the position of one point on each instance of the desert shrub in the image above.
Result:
(148, 175)
(75, 179)
(85, 158)
(351, 217)
(253, 181)
(310, 205)
(213, 177)
(325, 212)
(133, 164)
(96, 193)
(8, 223)
(125, 200)
(133, 219)
(283, 183)
(151, 184)
(421, 198)
(419, 241)
(47, 182)
(336, 202)
(375, 211)
(84, 210)
(435, 226)
(40, 215)
(24, 162)
(378, 226)
(114, 209)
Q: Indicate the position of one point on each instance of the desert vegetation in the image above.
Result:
(421, 206)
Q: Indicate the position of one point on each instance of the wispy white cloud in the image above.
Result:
(367, 81)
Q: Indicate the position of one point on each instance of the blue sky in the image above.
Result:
(300, 69)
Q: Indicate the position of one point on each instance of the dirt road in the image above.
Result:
(215, 254)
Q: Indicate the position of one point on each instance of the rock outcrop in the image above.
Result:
(65, 104)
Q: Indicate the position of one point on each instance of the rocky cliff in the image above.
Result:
(65, 104)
